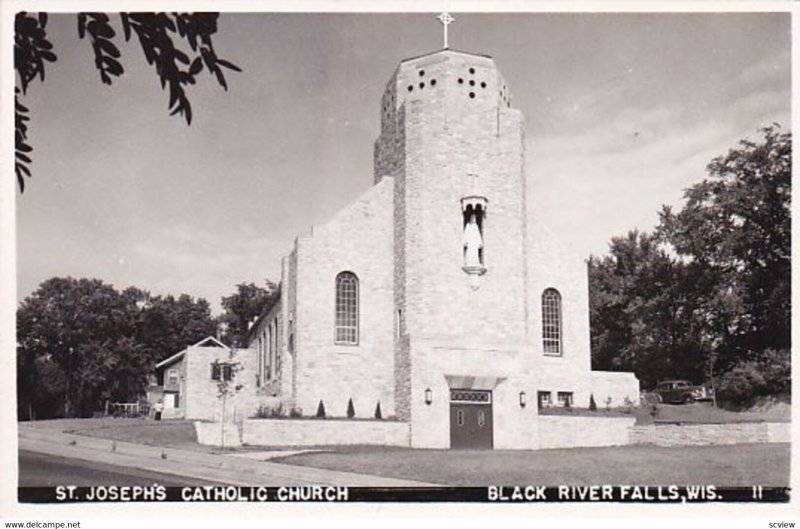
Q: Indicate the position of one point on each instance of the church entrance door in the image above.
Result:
(471, 419)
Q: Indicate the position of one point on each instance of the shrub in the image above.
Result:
(351, 410)
(270, 412)
(321, 410)
(296, 412)
(592, 403)
(767, 373)
(608, 403)
(378, 414)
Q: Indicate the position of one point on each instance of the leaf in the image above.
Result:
(23, 168)
(100, 29)
(48, 56)
(108, 47)
(181, 56)
(113, 67)
(228, 65)
(196, 66)
(81, 25)
(20, 178)
(126, 26)
(221, 79)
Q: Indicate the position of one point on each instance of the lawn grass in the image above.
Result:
(731, 465)
(175, 434)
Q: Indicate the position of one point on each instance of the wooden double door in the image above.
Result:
(471, 419)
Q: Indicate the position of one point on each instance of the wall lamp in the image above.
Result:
(523, 399)
(428, 396)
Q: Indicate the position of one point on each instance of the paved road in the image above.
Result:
(42, 470)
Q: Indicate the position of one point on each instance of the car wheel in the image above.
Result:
(688, 399)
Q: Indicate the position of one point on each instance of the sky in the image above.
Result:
(623, 112)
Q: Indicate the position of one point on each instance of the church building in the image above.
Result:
(433, 294)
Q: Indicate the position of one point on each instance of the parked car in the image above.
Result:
(681, 392)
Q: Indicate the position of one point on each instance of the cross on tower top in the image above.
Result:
(446, 19)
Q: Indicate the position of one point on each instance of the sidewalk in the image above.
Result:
(227, 469)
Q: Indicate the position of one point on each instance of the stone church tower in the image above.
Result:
(454, 146)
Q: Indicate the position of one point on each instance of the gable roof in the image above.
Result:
(208, 341)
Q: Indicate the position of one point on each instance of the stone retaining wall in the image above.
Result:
(711, 434)
(556, 431)
(210, 433)
(300, 432)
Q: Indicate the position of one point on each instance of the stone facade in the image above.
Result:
(711, 434)
(309, 432)
(432, 317)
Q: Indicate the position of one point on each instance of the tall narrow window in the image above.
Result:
(551, 322)
(346, 331)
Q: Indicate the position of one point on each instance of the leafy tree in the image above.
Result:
(81, 342)
(242, 307)
(640, 316)
(157, 35)
(735, 232)
(706, 297)
(168, 324)
(74, 326)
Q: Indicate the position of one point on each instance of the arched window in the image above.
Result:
(346, 331)
(551, 322)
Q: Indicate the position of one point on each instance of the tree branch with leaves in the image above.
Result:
(160, 36)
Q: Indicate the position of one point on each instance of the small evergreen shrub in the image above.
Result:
(296, 412)
(592, 403)
(378, 414)
(351, 410)
(270, 412)
(321, 410)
